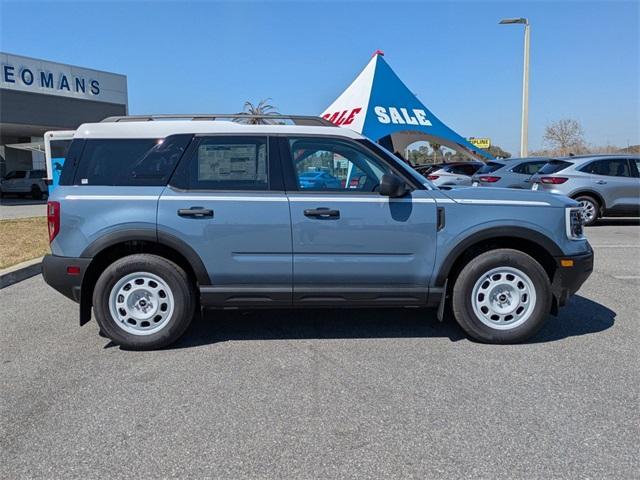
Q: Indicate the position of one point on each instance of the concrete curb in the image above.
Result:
(20, 272)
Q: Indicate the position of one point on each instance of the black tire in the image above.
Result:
(177, 281)
(36, 193)
(462, 297)
(597, 208)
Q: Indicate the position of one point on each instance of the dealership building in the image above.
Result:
(39, 95)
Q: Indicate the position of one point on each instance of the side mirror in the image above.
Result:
(392, 186)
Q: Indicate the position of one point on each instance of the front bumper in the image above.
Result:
(571, 272)
(60, 273)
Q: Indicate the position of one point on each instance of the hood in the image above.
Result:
(506, 195)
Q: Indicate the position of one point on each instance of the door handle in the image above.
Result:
(195, 212)
(322, 212)
(601, 182)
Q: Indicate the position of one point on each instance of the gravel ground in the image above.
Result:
(329, 394)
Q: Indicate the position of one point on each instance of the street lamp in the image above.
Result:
(524, 131)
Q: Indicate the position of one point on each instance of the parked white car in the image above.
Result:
(25, 182)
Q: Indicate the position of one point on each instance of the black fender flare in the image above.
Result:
(150, 235)
(523, 233)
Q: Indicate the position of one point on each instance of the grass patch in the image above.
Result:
(22, 239)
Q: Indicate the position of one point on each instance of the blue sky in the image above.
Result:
(212, 56)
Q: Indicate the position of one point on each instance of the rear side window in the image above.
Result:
(490, 167)
(618, 167)
(226, 163)
(129, 162)
(38, 174)
(553, 166)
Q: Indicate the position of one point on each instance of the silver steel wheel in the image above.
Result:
(503, 298)
(141, 303)
(589, 210)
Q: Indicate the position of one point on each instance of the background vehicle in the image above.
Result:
(604, 185)
(456, 173)
(155, 219)
(25, 182)
(425, 168)
(318, 180)
(511, 173)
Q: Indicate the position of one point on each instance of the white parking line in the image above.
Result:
(627, 277)
(615, 246)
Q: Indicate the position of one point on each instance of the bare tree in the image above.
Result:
(565, 136)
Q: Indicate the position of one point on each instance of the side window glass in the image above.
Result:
(610, 168)
(229, 163)
(324, 164)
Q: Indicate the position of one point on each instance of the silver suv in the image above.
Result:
(511, 173)
(605, 185)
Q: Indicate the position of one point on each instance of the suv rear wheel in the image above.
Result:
(590, 209)
(36, 193)
(144, 302)
(502, 296)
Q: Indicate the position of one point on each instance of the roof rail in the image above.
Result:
(307, 120)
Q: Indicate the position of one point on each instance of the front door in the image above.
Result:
(227, 203)
(350, 244)
(615, 179)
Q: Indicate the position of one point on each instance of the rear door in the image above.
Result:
(350, 244)
(615, 180)
(226, 202)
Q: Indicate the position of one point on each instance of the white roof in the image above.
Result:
(164, 128)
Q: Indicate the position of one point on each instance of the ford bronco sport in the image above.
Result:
(154, 220)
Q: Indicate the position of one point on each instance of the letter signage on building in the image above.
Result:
(483, 143)
(39, 76)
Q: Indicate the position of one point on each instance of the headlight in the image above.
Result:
(574, 223)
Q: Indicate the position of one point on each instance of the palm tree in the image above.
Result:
(436, 149)
(262, 108)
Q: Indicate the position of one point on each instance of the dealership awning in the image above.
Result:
(380, 106)
(31, 147)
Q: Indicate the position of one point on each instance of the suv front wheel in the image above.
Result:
(144, 302)
(502, 296)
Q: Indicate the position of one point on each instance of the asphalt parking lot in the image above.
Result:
(329, 394)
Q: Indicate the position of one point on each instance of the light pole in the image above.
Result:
(524, 129)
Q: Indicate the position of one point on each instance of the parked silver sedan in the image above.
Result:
(605, 185)
(508, 173)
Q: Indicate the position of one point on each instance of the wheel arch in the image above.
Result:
(531, 242)
(591, 193)
(116, 245)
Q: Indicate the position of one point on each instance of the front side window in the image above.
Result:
(229, 163)
(618, 167)
(326, 164)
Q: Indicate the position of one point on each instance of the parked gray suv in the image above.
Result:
(509, 173)
(604, 185)
(153, 220)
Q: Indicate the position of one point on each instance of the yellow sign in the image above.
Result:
(483, 143)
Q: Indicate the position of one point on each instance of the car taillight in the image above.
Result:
(53, 219)
(433, 177)
(553, 180)
(488, 178)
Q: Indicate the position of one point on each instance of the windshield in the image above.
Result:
(398, 163)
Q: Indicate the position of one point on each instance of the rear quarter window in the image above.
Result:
(554, 166)
(126, 162)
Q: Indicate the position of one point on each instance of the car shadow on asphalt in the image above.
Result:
(580, 317)
(616, 222)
